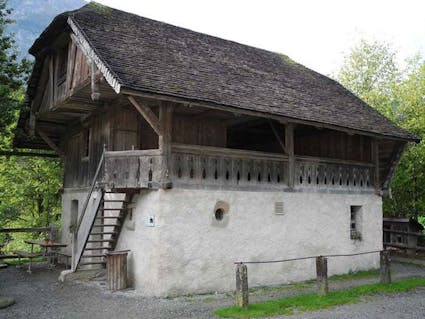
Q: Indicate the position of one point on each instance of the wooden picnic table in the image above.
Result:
(46, 243)
(50, 248)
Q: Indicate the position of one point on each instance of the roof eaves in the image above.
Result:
(110, 76)
(210, 103)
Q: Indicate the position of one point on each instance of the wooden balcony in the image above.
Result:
(220, 168)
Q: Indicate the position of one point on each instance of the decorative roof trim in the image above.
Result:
(91, 54)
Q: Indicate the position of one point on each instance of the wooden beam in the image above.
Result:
(32, 124)
(51, 82)
(95, 93)
(30, 154)
(25, 230)
(148, 115)
(279, 139)
(70, 66)
(375, 158)
(49, 142)
(289, 146)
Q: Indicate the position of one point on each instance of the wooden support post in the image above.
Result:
(32, 123)
(375, 156)
(322, 275)
(53, 233)
(278, 137)
(385, 266)
(242, 286)
(289, 146)
(164, 143)
(395, 159)
(51, 82)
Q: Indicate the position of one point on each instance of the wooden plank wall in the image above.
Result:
(118, 128)
(79, 168)
(198, 131)
(53, 87)
(332, 144)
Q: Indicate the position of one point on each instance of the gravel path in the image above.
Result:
(40, 295)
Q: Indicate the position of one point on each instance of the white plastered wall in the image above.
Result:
(67, 197)
(188, 251)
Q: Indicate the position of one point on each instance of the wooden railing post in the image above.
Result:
(385, 266)
(242, 286)
(289, 146)
(322, 275)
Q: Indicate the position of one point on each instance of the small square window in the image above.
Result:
(355, 222)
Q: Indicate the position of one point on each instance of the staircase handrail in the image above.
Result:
(93, 185)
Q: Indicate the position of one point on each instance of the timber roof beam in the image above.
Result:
(148, 115)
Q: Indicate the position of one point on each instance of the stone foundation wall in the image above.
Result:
(179, 247)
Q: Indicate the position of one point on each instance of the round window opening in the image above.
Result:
(219, 214)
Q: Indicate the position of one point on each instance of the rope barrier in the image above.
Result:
(308, 257)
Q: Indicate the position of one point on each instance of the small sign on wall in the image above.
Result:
(150, 221)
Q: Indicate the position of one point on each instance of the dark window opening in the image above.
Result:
(219, 214)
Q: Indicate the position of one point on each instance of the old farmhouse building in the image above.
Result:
(194, 152)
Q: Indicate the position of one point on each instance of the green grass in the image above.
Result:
(352, 275)
(312, 301)
(23, 260)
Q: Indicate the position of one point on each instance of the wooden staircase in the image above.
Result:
(105, 229)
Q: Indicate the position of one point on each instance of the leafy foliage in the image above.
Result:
(370, 71)
(29, 187)
(12, 74)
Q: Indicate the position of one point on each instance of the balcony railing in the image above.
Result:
(333, 174)
(210, 167)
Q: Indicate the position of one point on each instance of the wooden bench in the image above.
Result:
(25, 254)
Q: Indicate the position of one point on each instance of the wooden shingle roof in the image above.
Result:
(154, 57)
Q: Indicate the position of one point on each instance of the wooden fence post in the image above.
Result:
(322, 275)
(54, 232)
(385, 266)
(241, 286)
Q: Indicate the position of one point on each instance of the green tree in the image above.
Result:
(371, 72)
(409, 180)
(13, 73)
(29, 187)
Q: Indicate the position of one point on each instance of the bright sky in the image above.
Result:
(316, 33)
